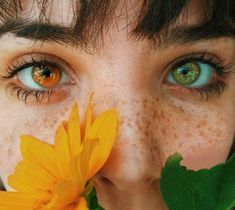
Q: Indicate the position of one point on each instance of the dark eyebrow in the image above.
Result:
(39, 31)
(193, 34)
(182, 35)
(48, 32)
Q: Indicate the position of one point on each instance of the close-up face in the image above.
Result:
(172, 87)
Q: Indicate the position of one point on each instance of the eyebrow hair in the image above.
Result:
(53, 33)
(38, 31)
(192, 34)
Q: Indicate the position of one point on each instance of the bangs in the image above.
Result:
(93, 18)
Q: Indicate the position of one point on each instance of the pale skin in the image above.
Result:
(155, 118)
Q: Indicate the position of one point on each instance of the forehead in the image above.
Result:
(103, 14)
(68, 10)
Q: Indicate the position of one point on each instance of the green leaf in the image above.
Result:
(92, 201)
(206, 189)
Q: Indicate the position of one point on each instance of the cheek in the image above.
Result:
(20, 120)
(202, 140)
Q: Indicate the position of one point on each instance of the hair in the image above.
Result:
(91, 18)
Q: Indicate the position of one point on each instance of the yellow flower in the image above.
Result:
(55, 177)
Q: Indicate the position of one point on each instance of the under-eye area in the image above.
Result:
(39, 78)
(201, 74)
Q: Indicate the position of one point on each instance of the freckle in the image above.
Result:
(10, 152)
(175, 136)
(181, 109)
(157, 99)
(146, 133)
(181, 144)
(162, 114)
(45, 120)
(202, 133)
(189, 135)
(211, 141)
(155, 115)
(163, 130)
(129, 124)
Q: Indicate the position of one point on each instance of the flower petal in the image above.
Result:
(104, 128)
(65, 194)
(82, 205)
(88, 117)
(21, 201)
(37, 179)
(89, 146)
(63, 151)
(39, 153)
(73, 129)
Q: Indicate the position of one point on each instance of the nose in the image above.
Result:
(130, 168)
(130, 178)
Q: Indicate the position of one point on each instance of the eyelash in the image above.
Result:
(214, 89)
(23, 93)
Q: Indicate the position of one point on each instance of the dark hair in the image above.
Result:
(92, 17)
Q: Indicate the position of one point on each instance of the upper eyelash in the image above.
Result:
(22, 92)
(15, 68)
(223, 70)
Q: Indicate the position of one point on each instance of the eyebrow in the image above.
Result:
(39, 31)
(53, 33)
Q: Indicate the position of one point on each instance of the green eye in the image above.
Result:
(191, 74)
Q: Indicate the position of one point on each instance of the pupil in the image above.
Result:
(45, 72)
(186, 74)
(185, 71)
(46, 76)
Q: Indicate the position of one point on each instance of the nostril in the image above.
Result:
(126, 185)
(151, 180)
(105, 181)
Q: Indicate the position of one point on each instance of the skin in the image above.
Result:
(156, 119)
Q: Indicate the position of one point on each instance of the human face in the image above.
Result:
(156, 118)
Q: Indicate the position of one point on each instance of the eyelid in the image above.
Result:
(28, 60)
(41, 96)
(221, 68)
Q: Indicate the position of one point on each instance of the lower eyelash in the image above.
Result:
(23, 94)
(214, 89)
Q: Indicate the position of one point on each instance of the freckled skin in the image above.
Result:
(154, 122)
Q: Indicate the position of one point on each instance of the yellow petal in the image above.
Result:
(37, 179)
(82, 205)
(39, 153)
(89, 146)
(63, 151)
(88, 117)
(21, 201)
(76, 174)
(65, 194)
(104, 128)
(73, 129)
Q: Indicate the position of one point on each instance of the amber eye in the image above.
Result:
(46, 76)
(42, 77)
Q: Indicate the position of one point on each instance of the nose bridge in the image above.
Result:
(132, 163)
(133, 160)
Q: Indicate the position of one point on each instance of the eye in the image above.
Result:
(202, 74)
(191, 74)
(42, 77)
